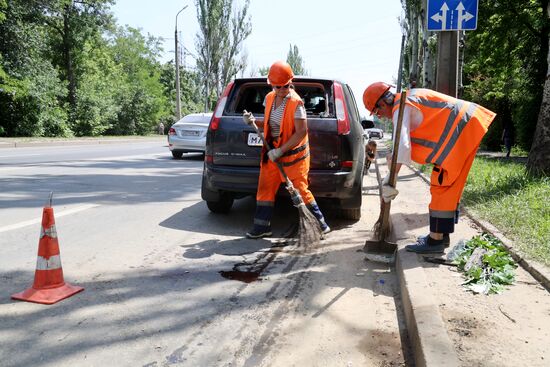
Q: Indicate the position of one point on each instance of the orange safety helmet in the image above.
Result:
(280, 73)
(373, 93)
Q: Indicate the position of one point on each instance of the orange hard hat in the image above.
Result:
(373, 93)
(280, 73)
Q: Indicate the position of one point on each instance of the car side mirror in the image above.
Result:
(367, 124)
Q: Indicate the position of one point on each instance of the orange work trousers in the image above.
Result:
(270, 180)
(446, 188)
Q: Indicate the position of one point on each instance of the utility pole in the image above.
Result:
(447, 63)
(178, 97)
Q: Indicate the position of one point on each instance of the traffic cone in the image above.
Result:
(49, 286)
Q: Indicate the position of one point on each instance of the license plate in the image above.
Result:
(254, 140)
(190, 133)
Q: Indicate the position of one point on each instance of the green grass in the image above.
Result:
(501, 192)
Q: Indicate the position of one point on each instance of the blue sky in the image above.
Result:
(356, 41)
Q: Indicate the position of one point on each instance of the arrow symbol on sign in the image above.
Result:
(463, 16)
(443, 16)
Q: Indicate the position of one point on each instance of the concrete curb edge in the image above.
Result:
(429, 339)
(21, 144)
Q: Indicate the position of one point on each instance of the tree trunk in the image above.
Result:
(539, 156)
(67, 56)
(413, 71)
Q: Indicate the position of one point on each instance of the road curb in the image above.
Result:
(429, 339)
(22, 144)
(537, 270)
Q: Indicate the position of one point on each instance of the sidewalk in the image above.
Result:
(30, 142)
(449, 326)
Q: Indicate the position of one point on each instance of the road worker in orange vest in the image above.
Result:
(436, 129)
(285, 130)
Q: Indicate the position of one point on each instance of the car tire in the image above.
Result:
(351, 214)
(222, 206)
(177, 154)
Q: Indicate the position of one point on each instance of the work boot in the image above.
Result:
(446, 239)
(314, 209)
(259, 232)
(262, 220)
(427, 245)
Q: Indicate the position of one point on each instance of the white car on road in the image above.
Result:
(189, 134)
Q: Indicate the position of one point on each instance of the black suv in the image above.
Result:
(232, 157)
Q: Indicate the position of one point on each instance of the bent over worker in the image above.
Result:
(437, 129)
(285, 130)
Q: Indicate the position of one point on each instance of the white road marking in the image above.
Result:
(82, 161)
(39, 220)
(18, 155)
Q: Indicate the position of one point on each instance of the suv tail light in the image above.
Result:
(171, 131)
(216, 117)
(341, 111)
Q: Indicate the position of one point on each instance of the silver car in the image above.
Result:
(189, 134)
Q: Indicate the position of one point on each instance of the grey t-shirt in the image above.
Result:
(276, 116)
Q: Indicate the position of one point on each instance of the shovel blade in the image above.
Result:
(380, 251)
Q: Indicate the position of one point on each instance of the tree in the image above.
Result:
(219, 44)
(140, 94)
(539, 156)
(263, 71)
(72, 25)
(30, 87)
(294, 59)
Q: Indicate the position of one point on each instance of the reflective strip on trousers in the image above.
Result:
(265, 203)
(442, 213)
(53, 263)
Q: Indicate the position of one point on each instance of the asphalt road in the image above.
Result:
(169, 283)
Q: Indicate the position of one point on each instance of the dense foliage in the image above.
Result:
(504, 64)
(66, 69)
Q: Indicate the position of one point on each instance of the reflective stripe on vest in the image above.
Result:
(53, 263)
(456, 133)
(418, 99)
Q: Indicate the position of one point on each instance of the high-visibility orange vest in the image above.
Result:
(298, 153)
(450, 131)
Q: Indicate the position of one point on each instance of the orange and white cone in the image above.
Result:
(49, 286)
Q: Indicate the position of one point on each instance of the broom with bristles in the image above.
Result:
(309, 229)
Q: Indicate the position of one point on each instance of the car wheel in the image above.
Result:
(177, 154)
(351, 214)
(221, 206)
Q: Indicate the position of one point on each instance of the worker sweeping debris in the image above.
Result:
(285, 158)
(437, 129)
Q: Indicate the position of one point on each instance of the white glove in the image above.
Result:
(389, 193)
(275, 154)
(386, 180)
(248, 117)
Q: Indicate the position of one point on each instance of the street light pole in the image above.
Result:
(178, 98)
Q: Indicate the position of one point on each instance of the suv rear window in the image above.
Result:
(251, 96)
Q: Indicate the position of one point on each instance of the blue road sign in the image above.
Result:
(452, 15)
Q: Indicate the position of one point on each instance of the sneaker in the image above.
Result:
(257, 233)
(326, 229)
(427, 245)
(446, 239)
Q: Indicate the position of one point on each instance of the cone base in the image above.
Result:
(47, 296)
